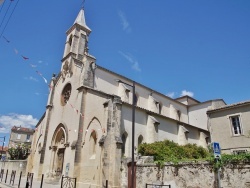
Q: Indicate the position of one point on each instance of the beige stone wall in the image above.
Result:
(18, 165)
(192, 176)
(221, 128)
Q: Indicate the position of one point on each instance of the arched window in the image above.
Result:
(124, 144)
(68, 45)
(70, 40)
(92, 144)
(140, 140)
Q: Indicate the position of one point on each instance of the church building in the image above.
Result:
(86, 129)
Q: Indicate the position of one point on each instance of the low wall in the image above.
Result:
(188, 175)
(18, 165)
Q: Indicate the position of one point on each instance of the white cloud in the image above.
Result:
(42, 62)
(31, 78)
(136, 67)
(171, 94)
(131, 59)
(12, 119)
(124, 21)
(185, 92)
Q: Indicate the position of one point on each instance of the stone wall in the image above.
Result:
(18, 165)
(195, 175)
(188, 175)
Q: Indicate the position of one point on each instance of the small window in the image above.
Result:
(136, 99)
(18, 136)
(160, 108)
(236, 126)
(28, 137)
(207, 140)
(70, 40)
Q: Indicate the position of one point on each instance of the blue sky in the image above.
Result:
(199, 48)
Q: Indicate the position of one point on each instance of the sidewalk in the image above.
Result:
(35, 184)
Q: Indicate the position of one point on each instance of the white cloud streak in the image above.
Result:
(125, 24)
(31, 78)
(185, 92)
(171, 94)
(12, 119)
(135, 65)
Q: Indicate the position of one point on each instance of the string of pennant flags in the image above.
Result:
(27, 58)
(33, 66)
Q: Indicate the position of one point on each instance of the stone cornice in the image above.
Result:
(76, 25)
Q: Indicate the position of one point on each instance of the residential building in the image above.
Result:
(86, 129)
(230, 126)
(20, 135)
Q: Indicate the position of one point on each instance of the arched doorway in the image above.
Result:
(58, 150)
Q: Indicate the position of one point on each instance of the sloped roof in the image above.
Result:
(230, 106)
(4, 149)
(22, 129)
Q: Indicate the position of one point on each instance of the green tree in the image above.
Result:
(19, 152)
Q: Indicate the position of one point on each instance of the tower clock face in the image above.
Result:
(66, 94)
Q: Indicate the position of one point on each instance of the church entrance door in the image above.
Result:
(59, 162)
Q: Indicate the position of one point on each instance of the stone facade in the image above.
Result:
(86, 132)
(20, 135)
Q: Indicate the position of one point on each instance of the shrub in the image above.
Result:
(169, 151)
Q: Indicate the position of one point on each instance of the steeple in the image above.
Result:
(76, 52)
(80, 19)
(77, 37)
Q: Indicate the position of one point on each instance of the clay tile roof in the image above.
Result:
(22, 129)
(4, 148)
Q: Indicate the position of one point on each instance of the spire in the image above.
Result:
(81, 19)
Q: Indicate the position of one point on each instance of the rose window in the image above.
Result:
(66, 94)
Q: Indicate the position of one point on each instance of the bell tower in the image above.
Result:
(76, 52)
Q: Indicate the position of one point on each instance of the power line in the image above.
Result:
(2, 6)
(5, 14)
(9, 19)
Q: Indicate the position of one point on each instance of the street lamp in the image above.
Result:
(133, 130)
(2, 145)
